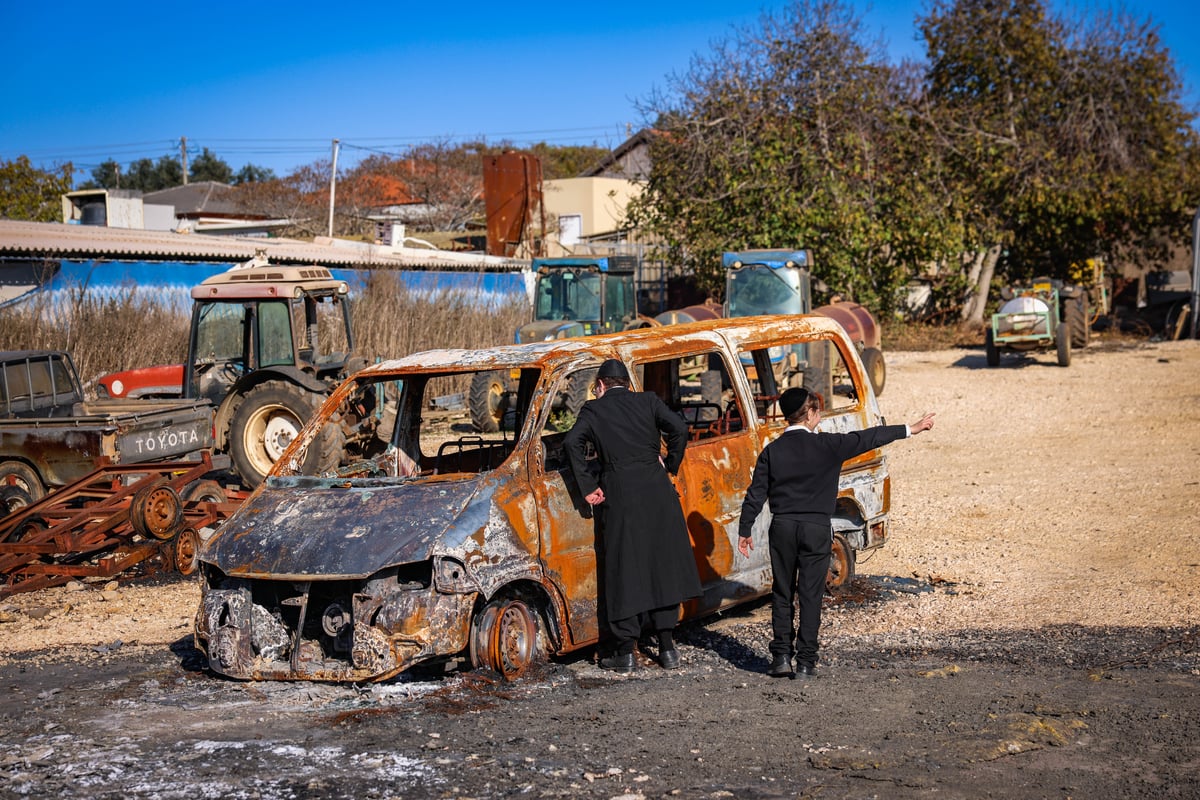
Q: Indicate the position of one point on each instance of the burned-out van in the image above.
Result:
(439, 543)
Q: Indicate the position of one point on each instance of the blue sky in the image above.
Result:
(274, 83)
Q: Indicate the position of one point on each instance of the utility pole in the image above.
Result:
(332, 185)
(183, 156)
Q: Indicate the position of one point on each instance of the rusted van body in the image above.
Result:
(442, 543)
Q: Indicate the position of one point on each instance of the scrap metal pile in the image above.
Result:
(115, 518)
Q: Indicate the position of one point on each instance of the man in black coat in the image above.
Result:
(798, 473)
(647, 565)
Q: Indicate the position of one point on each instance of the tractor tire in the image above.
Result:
(13, 498)
(1062, 340)
(578, 391)
(204, 491)
(872, 358)
(18, 473)
(488, 400)
(267, 419)
(1076, 313)
(993, 352)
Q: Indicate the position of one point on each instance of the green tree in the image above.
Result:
(209, 167)
(252, 173)
(107, 175)
(29, 193)
(793, 135)
(1063, 139)
(149, 176)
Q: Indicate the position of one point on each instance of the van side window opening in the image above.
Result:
(817, 366)
(697, 387)
(440, 437)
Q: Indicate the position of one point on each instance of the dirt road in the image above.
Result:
(1029, 631)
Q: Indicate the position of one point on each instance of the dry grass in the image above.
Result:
(391, 320)
(102, 335)
(899, 335)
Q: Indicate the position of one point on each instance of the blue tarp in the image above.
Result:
(171, 281)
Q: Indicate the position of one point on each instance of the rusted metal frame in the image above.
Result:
(83, 532)
(93, 486)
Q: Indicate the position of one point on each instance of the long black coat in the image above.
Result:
(647, 558)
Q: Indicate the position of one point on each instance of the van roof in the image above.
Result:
(741, 332)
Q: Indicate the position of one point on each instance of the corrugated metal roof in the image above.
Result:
(56, 240)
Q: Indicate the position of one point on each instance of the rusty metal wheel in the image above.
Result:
(187, 551)
(841, 564)
(505, 638)
(156, 511)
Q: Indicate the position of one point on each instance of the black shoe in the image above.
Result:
(618, 663)
(806, 671)
(781, 667)
(669, 659)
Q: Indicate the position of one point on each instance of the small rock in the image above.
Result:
(111, 586)
(109, 595)
(76, 586)
(38, 612)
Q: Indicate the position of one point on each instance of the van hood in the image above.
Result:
(296, 528)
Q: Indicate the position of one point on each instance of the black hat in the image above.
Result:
(612, 368)
(792, 401)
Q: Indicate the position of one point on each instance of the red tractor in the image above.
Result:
(267, 344)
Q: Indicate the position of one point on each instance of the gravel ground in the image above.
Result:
(1028, 631)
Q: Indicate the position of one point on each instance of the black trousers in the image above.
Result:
(626, 631)
(799, 562)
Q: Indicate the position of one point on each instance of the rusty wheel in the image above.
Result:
(841, 564)
(505, 638)
(156, 511)
(187, 551)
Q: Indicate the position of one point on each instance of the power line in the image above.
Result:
(305, 149)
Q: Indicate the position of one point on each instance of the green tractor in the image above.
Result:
(1047, 314)
(573, 296)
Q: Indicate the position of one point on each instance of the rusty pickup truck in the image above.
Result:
(50, 435)
(442, 544)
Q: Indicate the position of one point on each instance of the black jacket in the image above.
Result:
(647, 560)
(798, 472)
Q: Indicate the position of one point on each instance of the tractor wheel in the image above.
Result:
(993, 352)
(504, 638)
(841, 564)
(487, 400)
(1062, 339)
(266, 421)
(1077, 321)
(17, 473)
(13, 498)
(578, 391)
(156, 511)
(206, 491)
(872, 358)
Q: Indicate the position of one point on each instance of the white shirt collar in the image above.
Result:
(797, 427)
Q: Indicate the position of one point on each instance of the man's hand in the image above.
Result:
(745, 545)
(595, 498)
(924, 424)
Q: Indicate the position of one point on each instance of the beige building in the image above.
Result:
(583, 211)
